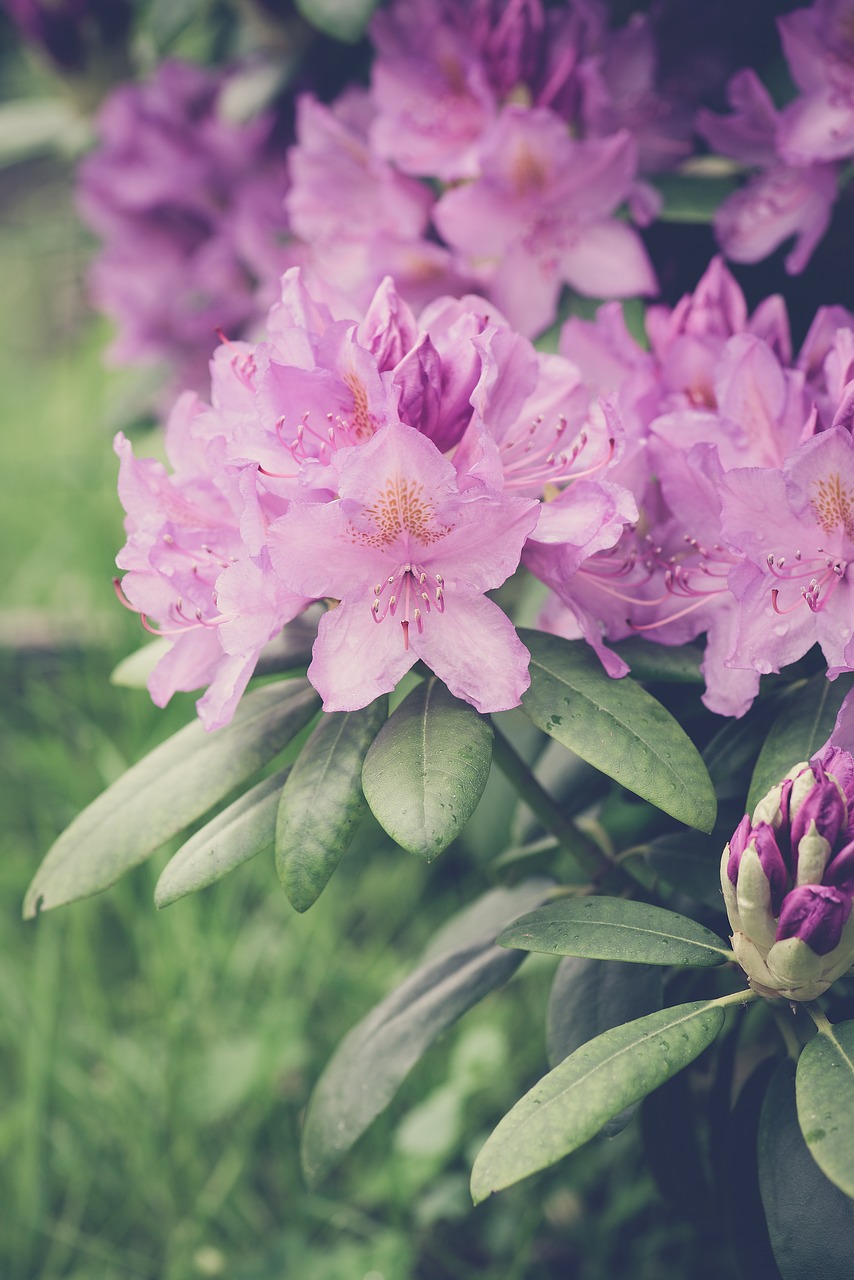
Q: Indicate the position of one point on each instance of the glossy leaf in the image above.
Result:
(427, 769)
(133, 671)
(342, 19)
(694, 198)
(175, 784)
(689, 863)
(588, 997)
(668, 664)
(322, 802)
(731, 755)
(573, 1102)
(615, 929)
(802, 727)
(372, 1061)
(825, 1102)
(810, 1221)
(618, 727)
(242, 831)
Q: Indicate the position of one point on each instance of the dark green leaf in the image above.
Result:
(688, 863)
(588, 997)
(242, 831)
(670, 1122)
(573, 1102)
(322, 801)
(737, 1177)
(342, 19)
(678, 664)
(825, 1101)
(810, 1221)
(618, 727)
(171, 787)
(615, 929)
(427, 769)
(372, 1061)
(731, 755)
(804, 726)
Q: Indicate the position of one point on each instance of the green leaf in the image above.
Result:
(243, 830)
(342, 19)
(825, 1101)
(615, 929)
(427, 769)
(133, 671)
(588, 997)
(372, 1061)
(618, 727)
(322, 801)
(175, 784)
(689, 863)
(731, 755)
(804, 726)
(677, 664)
(32, 126)
(573, 1102)
(692, 199)
(810, 1221)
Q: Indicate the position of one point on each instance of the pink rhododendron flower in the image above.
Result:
(795, 528)
(359, 217)
(189, 570)
(408, 555)
(540, 215)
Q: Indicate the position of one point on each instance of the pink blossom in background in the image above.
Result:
(540, 215)
(818, 43)
(782, 200)
(189, 208)
(359, 218)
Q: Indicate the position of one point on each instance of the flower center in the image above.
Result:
(412, 592)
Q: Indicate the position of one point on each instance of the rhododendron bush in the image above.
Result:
(471, 495)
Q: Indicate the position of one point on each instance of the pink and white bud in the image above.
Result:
(787, 877)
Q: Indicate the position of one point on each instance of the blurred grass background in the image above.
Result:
(154, 1067)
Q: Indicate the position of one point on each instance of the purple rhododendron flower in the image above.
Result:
(408, 555)
(781, 200)
(819, 46)
(540, 215)
(189, 206)
(795, 528)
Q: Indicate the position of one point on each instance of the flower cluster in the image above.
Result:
(788, 881)
(741, 459)
(394, 467)
(189, 207)
(796, 153)
(511, 132)
(402, 467)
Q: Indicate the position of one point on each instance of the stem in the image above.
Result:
(588, 858)
(738, 997)
(823, 1025)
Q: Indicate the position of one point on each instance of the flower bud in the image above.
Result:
(787, 877)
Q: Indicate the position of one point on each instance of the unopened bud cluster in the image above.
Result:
(788, 881)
